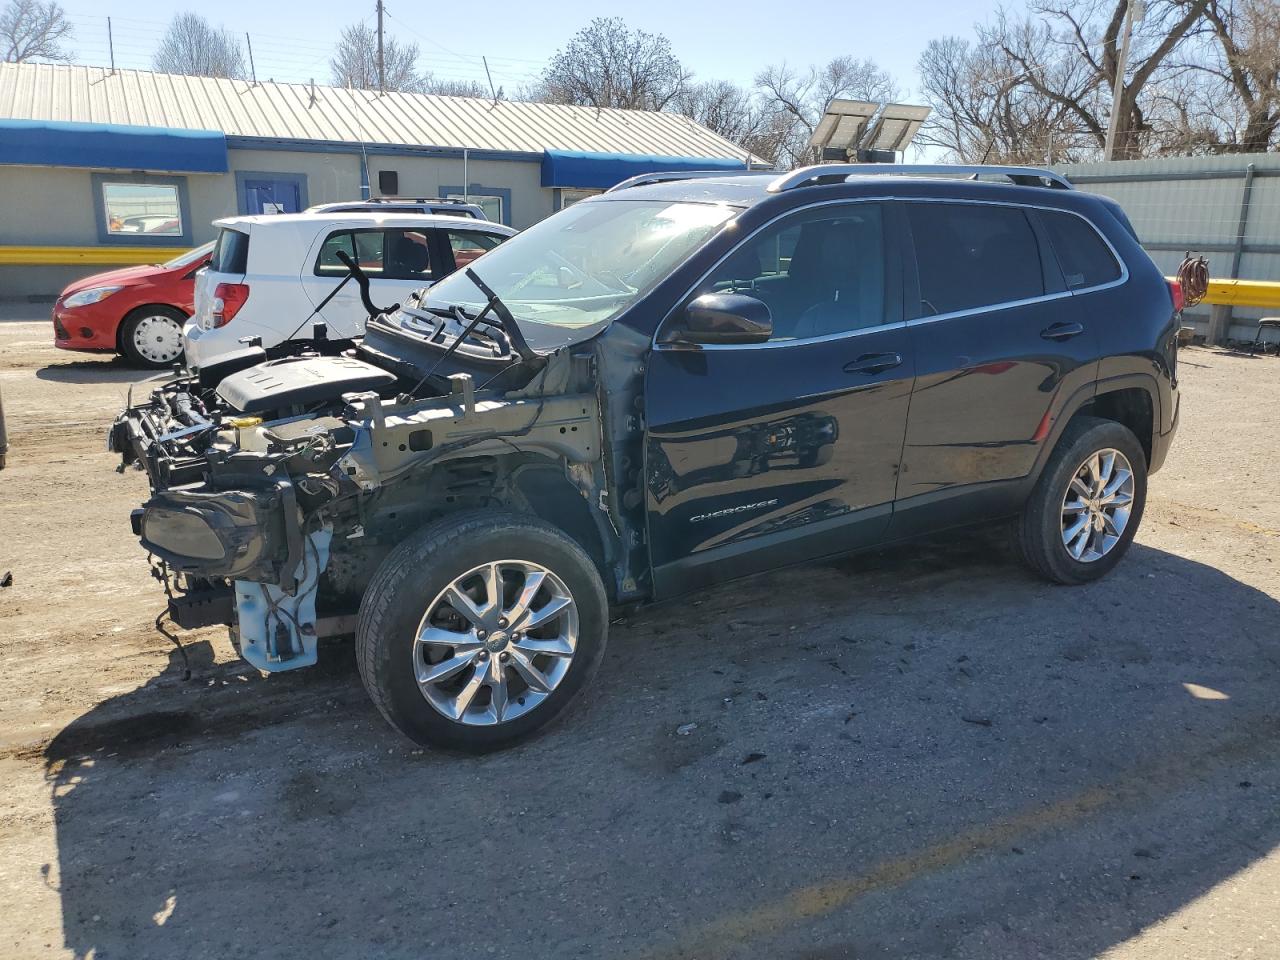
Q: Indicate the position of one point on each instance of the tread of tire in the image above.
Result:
(396, 567)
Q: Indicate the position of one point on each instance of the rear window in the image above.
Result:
(973, 255)
(230, 252)
(1085, 259)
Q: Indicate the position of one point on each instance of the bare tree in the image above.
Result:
(797, 98)
(1246, 69)
(608, 64)
(194, 47)
(1086, 35)
(737, 114)
(444, 87)
(355, 61)
(31, 30)
(983, 109)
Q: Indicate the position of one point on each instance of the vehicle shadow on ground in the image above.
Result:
(915, 753)
(106, 370)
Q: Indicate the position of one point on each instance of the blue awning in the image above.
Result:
(565, 168)
(44, 143)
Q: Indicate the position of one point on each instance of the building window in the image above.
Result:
(141, 210)
(568, 197)
(494, 201)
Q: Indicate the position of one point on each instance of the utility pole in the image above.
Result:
(253, 71)
(382, 75)
(111, 47)
(1134, 12)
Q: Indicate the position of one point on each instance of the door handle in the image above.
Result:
(1062, 331)
(873, 363)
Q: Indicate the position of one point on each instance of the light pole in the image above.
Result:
(1135, 10)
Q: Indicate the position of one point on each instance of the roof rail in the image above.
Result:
(395, 199)
(670, 175)
(840, 172)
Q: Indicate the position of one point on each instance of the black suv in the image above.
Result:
(679, 382)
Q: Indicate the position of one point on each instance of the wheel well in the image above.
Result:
(1130, 406)
(136, 310)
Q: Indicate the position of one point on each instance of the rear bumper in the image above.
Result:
(1161, 443)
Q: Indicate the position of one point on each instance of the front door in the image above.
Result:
(765, 454)
(268, 193)
(397, 260)
(997, 341)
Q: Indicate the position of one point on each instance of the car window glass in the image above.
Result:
(820, 272)
(468, 245)
(973, 255)
(230, 252)
(407, 254)
(1085, 259)
(402, 254)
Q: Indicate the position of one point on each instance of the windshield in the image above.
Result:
(188, 258)
(567, 277)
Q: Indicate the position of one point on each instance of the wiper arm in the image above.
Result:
(508, 324)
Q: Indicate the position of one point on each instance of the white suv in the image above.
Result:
(269, 274)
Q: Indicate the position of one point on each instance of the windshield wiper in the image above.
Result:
(509, 325)
(505, 322)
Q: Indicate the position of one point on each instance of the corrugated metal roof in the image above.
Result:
(288, 111)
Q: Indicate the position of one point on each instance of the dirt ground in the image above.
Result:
(913, 754)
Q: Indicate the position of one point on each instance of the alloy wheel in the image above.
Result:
(495, 642)
(1097, 505)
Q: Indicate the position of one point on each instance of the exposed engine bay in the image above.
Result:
(278, 484)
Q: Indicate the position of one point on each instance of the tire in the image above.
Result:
(411, 584)
(1044, 524)
(151, 351)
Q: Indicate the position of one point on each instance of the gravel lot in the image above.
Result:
(919, 753)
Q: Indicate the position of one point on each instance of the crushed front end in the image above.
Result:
(277, 487)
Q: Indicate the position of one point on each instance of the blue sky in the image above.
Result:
(292, 38)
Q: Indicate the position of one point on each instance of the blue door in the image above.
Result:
(271, 193)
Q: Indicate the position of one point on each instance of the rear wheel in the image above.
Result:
(480, 630)
(152, 336)
(1086, 506)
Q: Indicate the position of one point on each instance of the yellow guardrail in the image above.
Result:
(88, 256)
(1243, 293)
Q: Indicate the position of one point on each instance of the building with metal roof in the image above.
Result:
(127, 166)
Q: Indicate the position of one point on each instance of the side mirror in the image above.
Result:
(729, 318)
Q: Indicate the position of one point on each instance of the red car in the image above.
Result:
(136, 311)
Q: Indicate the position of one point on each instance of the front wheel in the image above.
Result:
(152, 337)
(1085, 508)
(480, 629)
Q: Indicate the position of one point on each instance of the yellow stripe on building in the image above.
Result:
(89, 256)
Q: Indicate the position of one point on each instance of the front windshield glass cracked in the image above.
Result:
(567, 277)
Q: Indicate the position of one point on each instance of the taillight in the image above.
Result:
(1175, 291)
(228, 298)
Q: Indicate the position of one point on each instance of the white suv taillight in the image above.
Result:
(228, 298)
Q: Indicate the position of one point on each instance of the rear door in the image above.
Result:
(998, 341)
(765, 454)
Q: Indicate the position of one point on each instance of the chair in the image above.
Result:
(1259, 344)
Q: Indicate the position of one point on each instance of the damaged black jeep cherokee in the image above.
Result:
(682, 381)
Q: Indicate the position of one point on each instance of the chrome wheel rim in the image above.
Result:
(158, 338)
(495, 643)
(1097, 505)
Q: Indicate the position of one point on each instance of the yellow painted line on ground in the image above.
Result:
(725, 935)
(89, 256)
